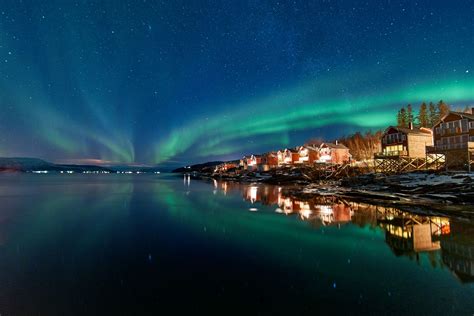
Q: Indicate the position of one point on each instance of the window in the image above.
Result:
(464, 125)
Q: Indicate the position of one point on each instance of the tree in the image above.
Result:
(402, 118)
(443, 109)
(409, 116)
(432, 115)
(423, 118)
(363, 146)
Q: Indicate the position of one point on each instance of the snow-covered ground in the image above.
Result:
(425, 179)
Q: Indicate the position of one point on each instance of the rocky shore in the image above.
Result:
(436, 191)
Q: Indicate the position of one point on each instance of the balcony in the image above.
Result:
(455, 146)
(388, 154)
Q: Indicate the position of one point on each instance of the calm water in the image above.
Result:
(131, 245)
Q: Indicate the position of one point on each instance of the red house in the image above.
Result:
(334, 153)
(307, 154)
(288, 156)
(253, 162)
(269, 161)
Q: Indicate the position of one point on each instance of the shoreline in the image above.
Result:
(425, 191)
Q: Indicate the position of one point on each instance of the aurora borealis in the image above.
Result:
(177, 82)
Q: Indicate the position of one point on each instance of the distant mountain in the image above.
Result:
(21, 164)
(199, 167)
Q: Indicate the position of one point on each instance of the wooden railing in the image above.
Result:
(396, 153)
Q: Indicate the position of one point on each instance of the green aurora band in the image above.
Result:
(296, 110)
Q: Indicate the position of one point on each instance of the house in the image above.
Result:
(406, 142)
(226, 166)
(454, 138)
(307, 154)
(269, 161)
(454, 131)
(288, 156)
(253, 162)
(334, 153)
(243, 163)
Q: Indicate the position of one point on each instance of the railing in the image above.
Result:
(397, 153)
(444, 131)
(452, 146)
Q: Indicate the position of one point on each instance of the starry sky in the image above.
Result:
(178, 82)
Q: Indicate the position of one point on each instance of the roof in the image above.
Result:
(415, 130)
(310, 147)
(335, 146)
(271, 153)
(461, 114)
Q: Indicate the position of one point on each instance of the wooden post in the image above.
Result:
(469, 159)
(446, 160)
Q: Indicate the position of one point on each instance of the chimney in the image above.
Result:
(472, 110)
(410, 125)
(336, 141)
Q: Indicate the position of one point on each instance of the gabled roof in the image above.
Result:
(334, 146)
(271, 153)
(461, 114)
(310, 147)
(415, 130)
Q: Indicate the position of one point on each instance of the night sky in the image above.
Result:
(177, 82)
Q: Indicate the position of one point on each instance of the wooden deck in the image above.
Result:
(455, 157)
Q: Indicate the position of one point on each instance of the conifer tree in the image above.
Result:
(402, 118)
(409, 115)
(399, 118)
(423, 119)
(443, 109)
(432, 115)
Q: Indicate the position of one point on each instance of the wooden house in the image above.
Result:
(454, 137)
(406, 142)
(287, 156)
(243, 163)
(269, 161)
(253, 162)
(227, 166)
(307, 154)
(334, 153)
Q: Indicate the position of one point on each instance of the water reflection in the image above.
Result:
(74, 239)
(458, 250)
(447, 241)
